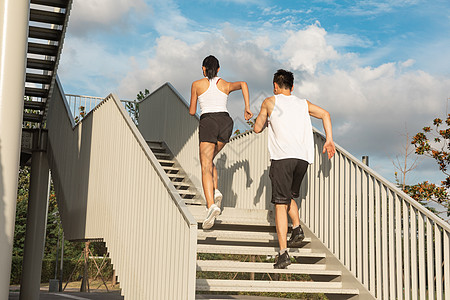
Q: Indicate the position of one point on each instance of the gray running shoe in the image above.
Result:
(213, 212)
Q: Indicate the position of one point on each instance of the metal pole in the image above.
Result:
(36, 221)
(62, 263)
(85, 282)
(13, 48)
(56, 256)
(365, 160)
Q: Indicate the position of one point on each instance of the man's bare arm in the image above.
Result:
(320, 113)
(261, 120)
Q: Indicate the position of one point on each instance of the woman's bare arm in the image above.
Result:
(193, 105)
(242, 85)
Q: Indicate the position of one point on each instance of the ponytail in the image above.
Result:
(211, 65)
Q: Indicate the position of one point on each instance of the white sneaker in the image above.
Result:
(218, 198)
(213, 212)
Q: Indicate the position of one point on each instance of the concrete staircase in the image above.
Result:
(237, 254)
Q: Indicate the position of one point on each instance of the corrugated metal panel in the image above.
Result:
(109, 185)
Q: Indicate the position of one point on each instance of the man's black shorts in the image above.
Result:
(215, 127)
(286, 176)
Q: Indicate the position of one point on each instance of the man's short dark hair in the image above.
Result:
(284, 79)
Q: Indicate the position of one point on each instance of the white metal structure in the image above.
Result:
(393, 245)
(109, 185)
(27, 72)
(13, 28)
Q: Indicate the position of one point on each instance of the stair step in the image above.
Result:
(44, 33)
(35, 105)
(161, 154)
(157, 148)
(195, 202)
(35, 92)
(176, 176)
(234, 235)
(55, 3)
(252, 250)
(38, 78)
(258, 267)
(29, 117)
(179, 185)
(235, 216)
(49, 17)
(166, 162)
(169, 169)
(40, 64)
(273, 286)
(187, 192)
(42, 49)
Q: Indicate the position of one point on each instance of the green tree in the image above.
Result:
(434, 143)
(21, 210)
(72, 250)
(81, 114)
(133, 107)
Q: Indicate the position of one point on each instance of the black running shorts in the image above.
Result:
(215, 127)
(286, 176)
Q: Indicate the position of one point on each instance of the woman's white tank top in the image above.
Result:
(213, 100)
(290, 130)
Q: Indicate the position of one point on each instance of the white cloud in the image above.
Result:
(167, 19)
(347, 40)
(305, 49)
(374, 7)
(91, 67)
(369, 104)
(179, 62)
(92, 15)
(173, 61)
(243, 2)
(275, 10)
(370, 107)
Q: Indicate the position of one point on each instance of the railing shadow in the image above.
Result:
(230, 197)
(261, 187)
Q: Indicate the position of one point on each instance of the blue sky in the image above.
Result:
(381, 68)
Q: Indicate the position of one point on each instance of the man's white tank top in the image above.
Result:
(213, 100)
(290, 129)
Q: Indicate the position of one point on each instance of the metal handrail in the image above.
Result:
(394, 245)
(88, 102)
(391, 243)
